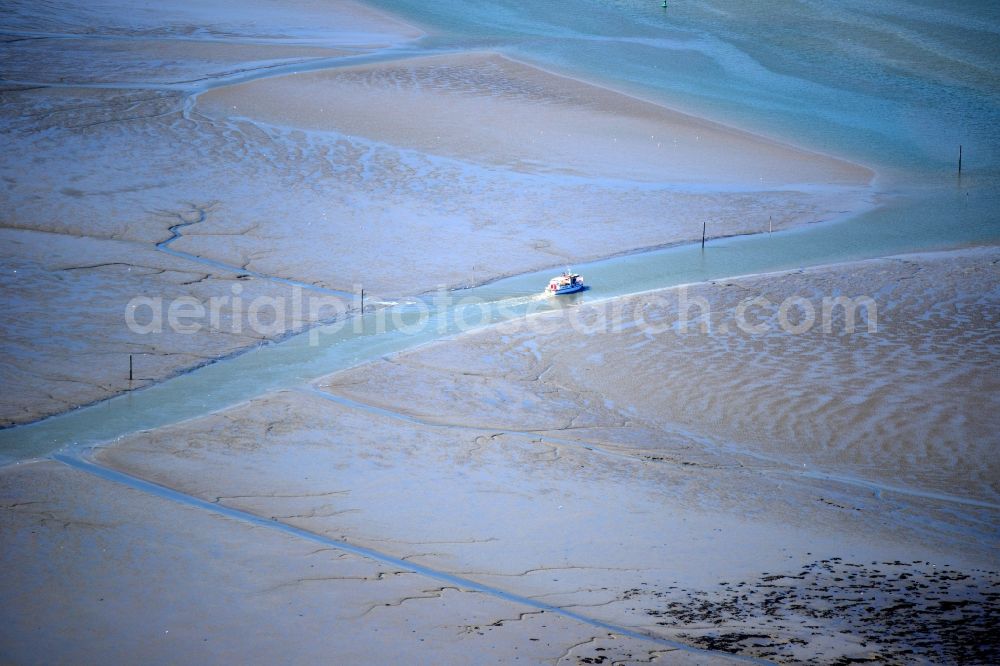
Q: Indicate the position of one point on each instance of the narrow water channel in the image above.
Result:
(947, 216)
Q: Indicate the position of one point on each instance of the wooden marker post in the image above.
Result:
(703, 225)
(959, 159)
(130, 367)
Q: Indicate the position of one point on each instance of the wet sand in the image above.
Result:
(620, 496)
(911, 403)
(487, 108)
(521, 460)
(128, 61)
(480, 167)
(338, 191)
(83, 560)
(69, 302)
(101, 168)
(304, 22)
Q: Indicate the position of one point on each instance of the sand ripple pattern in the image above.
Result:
(913, 404)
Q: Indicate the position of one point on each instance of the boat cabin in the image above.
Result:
(566, 283)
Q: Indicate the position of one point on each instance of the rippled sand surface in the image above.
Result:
(327, 204)
(214, 579)
(630, 475)
(101, 165)
(346, 23)
(561, 489)
(456, 170)
(492, 109)
(912, 403)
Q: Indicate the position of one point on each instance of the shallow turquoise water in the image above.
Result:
(893, 84)
(896, 86)
(945, 220)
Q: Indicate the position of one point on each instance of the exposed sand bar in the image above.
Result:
(338, 207)
(488, 108)
(100, 164)
(913, 403)
(128, 62)
(353, 188)
(117, 42)
(652, 479)
(165, 582)
(66, 328)
(340, 23)
(459, 169)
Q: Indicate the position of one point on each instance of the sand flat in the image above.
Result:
(145, 61)
(328, 205)
(97, 571)
(565, 470)
(69, 303)
(344, 23)
(822, 496)
(364, 214)
(526, 514)
(391, 162)
(100, 163)
(913, 403)
(488, 108)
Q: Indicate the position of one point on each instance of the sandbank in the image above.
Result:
(325, 207)
(506, 166)
(487, 108)
(913, 402)
(97, 572)
(101, 166)
(599, 471)
(68, 61)
(344, 23)
(68, 301)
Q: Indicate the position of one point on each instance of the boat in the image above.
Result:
(567, 283)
